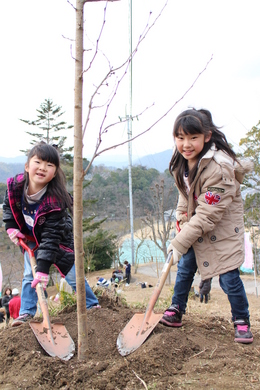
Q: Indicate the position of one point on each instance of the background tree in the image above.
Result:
(160, 225)
(251, 191)
(101, 249)
(3, 188)
(251, 144)
(49, 122)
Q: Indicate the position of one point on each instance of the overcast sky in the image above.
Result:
(37, 63)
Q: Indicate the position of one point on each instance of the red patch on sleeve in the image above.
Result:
(211, 198)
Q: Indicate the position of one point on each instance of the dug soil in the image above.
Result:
(201, 354)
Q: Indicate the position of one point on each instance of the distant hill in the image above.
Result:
(159, 161)
(14, 160)
(9, 170)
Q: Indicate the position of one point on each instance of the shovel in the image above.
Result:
(54, 338)
(141, 325)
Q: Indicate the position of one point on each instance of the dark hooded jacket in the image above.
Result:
(52, 230)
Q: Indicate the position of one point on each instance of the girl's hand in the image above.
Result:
(176, 254)
(14, 235)
(42, 278)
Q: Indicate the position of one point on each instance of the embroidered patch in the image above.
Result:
(41, 220)
(211, 198)
(218, 189)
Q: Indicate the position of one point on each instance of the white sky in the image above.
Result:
(37, 63)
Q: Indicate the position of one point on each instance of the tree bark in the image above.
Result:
(78, 186)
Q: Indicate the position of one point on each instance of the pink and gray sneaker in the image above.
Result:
(172, 317)
(242, 331)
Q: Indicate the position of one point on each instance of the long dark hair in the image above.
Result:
(57, 186)
(194, 121)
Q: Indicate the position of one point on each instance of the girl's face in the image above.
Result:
(40, 173)
(190, 145)
(8, 292)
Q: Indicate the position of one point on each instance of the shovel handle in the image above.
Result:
(159, 285)
(39, 288)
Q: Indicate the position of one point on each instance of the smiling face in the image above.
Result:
(40, 173)
(190, 145)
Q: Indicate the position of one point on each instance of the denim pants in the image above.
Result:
(230, 282)
(29, 296)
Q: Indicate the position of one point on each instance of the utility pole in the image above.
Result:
(129, 132)
(129, 119)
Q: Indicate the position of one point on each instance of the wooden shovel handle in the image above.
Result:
(39, 289)
(159, 285)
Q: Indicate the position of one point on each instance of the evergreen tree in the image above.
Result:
(252, 187)
(100, 250)
(251, 144)
(49, 122)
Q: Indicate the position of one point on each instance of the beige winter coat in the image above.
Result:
(214, 207)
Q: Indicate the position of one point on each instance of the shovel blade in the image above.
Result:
(136, 332)
(55, 341)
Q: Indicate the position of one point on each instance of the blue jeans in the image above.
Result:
(29, 296)
(230, 282)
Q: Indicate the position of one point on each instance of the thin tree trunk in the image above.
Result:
(78, 186)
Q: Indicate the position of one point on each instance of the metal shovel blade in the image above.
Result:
(141, 325)
(55, 341)
(136, 332)
(54, 338)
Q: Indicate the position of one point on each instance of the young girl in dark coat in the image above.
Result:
(37, 204)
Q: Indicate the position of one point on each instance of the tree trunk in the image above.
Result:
(78, 186)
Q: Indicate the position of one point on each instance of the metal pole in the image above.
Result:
(129, 131)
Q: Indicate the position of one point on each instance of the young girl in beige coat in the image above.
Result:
(210, 214)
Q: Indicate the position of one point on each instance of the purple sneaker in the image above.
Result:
(172, 317)
(21, 320)
(94, 307)
(242, 331)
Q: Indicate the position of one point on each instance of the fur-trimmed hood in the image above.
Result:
(242, 168)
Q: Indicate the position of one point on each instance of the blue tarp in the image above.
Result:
(146, 253)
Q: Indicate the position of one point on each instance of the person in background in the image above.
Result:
(38, 207)
(5, 302)
(205, 287)
(2, 315)
(15, 304)
(127, 267)
(117, 274)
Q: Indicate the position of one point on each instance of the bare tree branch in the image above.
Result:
(96, 153)
(112, 72)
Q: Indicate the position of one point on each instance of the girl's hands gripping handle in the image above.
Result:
(39, 277)
(14, 235)
(176, 254)
(42, 278)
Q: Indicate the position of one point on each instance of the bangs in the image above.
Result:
(45, 152)
(188, 124)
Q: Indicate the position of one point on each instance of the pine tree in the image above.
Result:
(252, 187)
(252, 150)
(49, 123)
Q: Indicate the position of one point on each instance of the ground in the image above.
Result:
(201, 354)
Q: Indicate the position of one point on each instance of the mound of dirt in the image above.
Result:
(199, 355)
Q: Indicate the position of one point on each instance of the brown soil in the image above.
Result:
(201, 354)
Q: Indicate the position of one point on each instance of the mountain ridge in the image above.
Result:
(10, 166)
